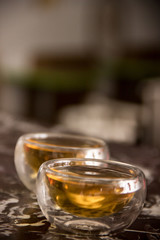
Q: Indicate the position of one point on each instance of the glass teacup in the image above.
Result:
(35, 148)
(90, 196)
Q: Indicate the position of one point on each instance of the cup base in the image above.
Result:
(87, 227)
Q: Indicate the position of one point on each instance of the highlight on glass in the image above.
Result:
(33, 149)
(86, 196)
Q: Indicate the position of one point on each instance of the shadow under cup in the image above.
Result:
(34, 149)
(86, 196)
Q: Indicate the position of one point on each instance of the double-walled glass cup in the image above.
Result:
(90, 196)
(34, 149)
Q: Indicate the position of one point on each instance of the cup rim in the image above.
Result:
(43, 135)
(130, 182)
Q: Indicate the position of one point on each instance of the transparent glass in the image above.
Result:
(34, 149)
(86, 196)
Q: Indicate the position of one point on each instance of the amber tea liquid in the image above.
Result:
(41, 150)
(88, 199)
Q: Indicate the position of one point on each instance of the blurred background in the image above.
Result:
(89, 66)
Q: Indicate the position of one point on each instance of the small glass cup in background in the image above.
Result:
(86, 196)
(35, 148)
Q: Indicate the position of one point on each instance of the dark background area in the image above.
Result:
(61, 59)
